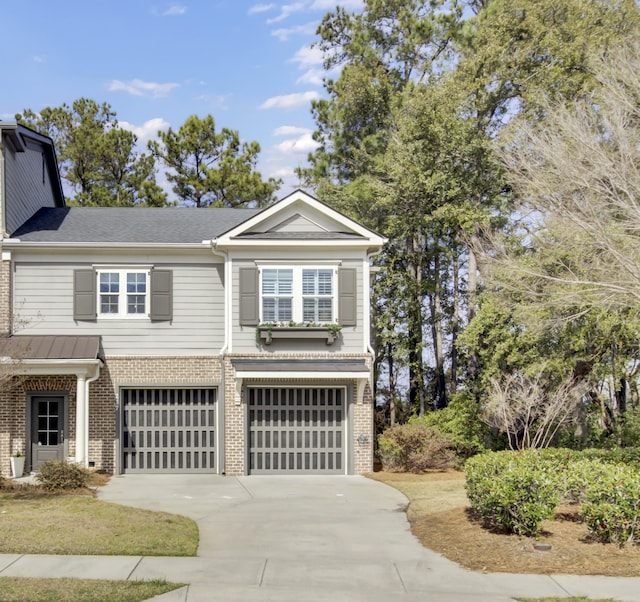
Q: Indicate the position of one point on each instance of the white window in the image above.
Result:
(123, 294)
(298, 294)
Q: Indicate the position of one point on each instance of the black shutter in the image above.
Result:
(84, 295)
(249, 301)
(347, 305)
(161, 299)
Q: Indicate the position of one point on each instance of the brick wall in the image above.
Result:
(235, 413)
(13, 412)
(171, 372)
(5, 297)
(137, 371)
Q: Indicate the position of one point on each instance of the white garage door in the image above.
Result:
(168, 430)
(297, 430)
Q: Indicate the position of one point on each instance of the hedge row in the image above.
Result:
(519, 490)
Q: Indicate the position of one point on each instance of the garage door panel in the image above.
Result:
(296, 430)
(168, 430)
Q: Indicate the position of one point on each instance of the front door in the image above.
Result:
(47, 429)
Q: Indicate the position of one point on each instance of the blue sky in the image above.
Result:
(249, 64)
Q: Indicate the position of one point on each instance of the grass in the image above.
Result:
(22, 589)
(442, 520)
(33, 521)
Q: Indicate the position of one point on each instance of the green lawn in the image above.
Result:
(20, 589)
(75, 524)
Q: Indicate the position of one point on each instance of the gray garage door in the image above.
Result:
(296, 430)
(168, 430)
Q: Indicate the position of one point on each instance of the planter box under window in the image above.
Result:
(269, 334)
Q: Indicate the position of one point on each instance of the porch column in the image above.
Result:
(81, 422)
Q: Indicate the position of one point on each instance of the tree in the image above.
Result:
(529, 411)
(405, 145)
(98, 159)
(577, 185)
(211, 169)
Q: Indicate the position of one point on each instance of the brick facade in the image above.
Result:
(235, 413)
(5, 297)
(170, 372)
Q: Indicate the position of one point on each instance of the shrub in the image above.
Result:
(515, 491)
(415, 448)
(56, 476)
(612, 506)
(460, 421)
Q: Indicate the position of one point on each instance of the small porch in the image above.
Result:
(47, 392)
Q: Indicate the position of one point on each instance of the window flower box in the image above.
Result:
(267, 333)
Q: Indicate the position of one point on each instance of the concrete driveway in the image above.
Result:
(315, 538)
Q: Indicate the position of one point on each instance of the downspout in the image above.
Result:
(2, 189)
(367, 307)
(87, 382)
(226, 346)
(370, 349)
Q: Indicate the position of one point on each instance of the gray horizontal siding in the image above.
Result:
(351, 339)
(43, 304)
(26, 189)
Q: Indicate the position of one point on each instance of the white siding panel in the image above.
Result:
(43, 304)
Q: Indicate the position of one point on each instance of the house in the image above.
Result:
(229, 341)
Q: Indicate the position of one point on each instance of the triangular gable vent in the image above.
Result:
(297, 223)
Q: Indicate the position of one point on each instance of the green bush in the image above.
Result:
(415, 448)
(612, 506)
(56, 476)
(460, 420)
(512, 490)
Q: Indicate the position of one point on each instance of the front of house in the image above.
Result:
(229, 341)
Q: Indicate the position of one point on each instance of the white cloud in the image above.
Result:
(260, 8)
(308, 56)
(40, 58)
(138, 87)
(287, 10)
(148, 130)
(289, 101)
(312, 76)
(290, 130)
(303, 144)
(174, 10)
(284, 33)
(331, 4)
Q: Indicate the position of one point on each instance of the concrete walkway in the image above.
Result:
(288, 539)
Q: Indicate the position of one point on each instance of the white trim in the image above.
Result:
(123, 293)
(298, 262)
(292, 375)
(297, 290)
(300, 197)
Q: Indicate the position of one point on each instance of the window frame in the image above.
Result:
(297, 293)
(123, 302)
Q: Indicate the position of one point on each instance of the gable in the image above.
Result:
(300, 217)
(297, 223)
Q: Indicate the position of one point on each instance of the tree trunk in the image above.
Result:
(455, 323)
(392, 385)
(438, 339)
(415, 322)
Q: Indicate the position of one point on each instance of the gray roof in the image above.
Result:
(171, 225)
(312, 365)
(51, 347)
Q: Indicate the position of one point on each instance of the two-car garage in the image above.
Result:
(290, 430)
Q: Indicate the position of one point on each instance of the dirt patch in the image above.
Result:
(441, 519)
